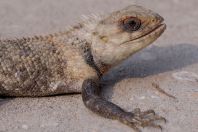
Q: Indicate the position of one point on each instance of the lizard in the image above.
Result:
(74, 61)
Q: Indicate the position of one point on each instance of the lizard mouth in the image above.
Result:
(155, 32)
(158, 30)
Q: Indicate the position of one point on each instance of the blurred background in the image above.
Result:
(171, 62)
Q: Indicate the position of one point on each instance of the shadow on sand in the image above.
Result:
(152, 61)
(4, 100)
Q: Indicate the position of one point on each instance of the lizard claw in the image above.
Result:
(143, 119)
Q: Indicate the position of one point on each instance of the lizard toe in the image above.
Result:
(138, 119)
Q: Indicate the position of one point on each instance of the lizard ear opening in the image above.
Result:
(130, 24)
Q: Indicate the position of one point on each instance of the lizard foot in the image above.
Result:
(136, 119)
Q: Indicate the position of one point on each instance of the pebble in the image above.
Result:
(185, 76)
(142, 97)
(24, 126)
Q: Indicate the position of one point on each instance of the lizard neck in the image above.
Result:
(103, 68)
(79, 37)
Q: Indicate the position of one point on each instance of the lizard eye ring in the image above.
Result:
(131, 24)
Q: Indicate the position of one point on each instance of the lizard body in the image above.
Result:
(74, 61)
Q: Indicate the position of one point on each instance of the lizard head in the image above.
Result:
(123, 33)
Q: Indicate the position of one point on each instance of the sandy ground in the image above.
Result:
(171, 62)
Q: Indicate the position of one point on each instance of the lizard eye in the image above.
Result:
(131, 24)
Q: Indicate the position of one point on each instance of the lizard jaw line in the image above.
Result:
(159, 29)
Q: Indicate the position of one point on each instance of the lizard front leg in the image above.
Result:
(135, 119)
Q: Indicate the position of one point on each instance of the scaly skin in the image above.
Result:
(74, 61)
